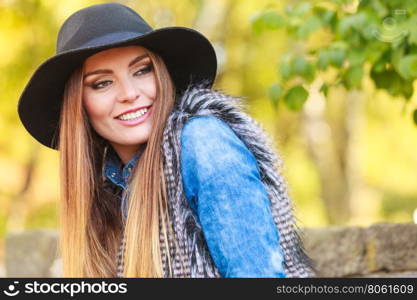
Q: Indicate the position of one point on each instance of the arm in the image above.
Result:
(222, 183)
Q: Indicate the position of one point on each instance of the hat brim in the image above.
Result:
(189, 57)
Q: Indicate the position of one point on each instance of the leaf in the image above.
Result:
(379, 8)
(309, 73)
(272, 20)
(296, 97)
(412, 29)
(356, 57)
(353, 22)
(285, 70)
(324, 89)
(390, 81)
(408, 67)
(299, 65)
(412, 38)
(312, 24)
(267, 20)
(303, 68)
(275, 93)
(379, 66)
(257, 25)
(337, 57)
(324, 60)
(363, 4)
(329, 17)
(353, 77)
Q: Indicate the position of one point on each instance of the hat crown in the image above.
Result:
(94, 25)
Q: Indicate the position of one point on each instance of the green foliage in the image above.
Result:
(379, 33)
(268, 20)
(295, 97)
(297, 66)
(303, 68)
(353, 77)
(310, 25)
(331, 57)
(275, 93)
(389, 80)
(408, 66)
(324, 89)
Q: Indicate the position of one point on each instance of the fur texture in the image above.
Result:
(189, 254)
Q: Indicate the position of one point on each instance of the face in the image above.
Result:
(119, 89)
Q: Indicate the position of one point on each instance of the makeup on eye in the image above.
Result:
(99, 84)
(144, 70)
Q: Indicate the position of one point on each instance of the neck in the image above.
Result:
(126, 153)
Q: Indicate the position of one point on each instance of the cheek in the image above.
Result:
(96, 109)
(149, 88)
(98, 113)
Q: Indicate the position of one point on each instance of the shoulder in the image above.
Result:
(205, 127)
(204, 134)
(210, 142)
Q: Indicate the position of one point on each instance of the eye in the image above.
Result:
(144, 70)
(101, 84)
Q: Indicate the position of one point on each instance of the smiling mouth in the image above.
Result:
(133, 115)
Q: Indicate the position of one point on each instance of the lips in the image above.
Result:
(132, 110)
(133, 119)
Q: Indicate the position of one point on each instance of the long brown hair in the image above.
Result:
(91, 224)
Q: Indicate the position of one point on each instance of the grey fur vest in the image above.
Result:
(191, 257)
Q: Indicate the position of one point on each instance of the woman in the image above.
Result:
(160, 175)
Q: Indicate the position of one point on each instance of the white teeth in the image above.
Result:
(133, 115)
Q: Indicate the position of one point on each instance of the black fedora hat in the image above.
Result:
(189, 57)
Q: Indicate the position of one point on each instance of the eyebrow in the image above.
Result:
(107, 71)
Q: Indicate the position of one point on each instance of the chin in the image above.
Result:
(129, 139)
(133, 141)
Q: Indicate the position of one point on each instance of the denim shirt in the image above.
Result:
(119, 174)
(223, 187)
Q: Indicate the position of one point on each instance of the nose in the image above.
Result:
(127, 90)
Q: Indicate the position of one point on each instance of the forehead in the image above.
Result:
(113, 56)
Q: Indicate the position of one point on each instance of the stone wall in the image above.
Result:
(381, 250)
(32, 254)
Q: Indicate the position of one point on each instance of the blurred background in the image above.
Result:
(331, 81)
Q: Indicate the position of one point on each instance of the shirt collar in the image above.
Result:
(114, 169)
